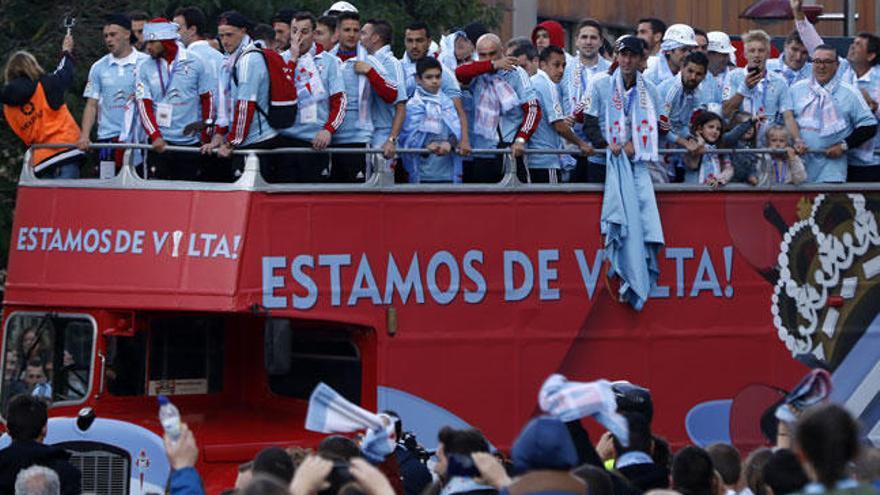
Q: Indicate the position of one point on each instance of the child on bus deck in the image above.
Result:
(432, 123)
(742, 136)
(710, 168)
(783, 166)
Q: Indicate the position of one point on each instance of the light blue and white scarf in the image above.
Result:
(496, 96)
(820, 113)
(428, 114)
(639, 107)
(569, 401)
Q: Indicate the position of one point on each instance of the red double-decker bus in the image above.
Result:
(447, 304)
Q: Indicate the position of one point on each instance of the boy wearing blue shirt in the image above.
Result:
(174, 100)
(110, 92)
(432, 123)
(553, 129)
(832, 116)
(320, 101)
(363, 76)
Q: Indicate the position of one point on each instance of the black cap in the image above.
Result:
(633, 398)
(235, 18)
(474, 30)
(632, 44)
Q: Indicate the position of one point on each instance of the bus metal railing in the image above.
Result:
(383, 178)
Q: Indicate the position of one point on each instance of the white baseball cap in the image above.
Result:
(681, 34)
(342, 7)
(719, 42)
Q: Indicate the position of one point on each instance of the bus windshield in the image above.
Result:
(48, 355)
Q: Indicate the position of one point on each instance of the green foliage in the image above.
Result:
(37, 26)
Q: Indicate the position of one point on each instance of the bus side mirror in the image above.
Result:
(277, 337)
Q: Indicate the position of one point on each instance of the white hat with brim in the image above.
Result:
(719, 42)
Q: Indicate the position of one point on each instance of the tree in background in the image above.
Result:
(39, 28)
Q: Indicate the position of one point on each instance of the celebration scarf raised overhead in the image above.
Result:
(639, 107)
(819, 113)
(330, 412)
(496, 96)
(569, 401)
(814, 388)
(631, 226)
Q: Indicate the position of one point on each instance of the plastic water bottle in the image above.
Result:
(169, 416)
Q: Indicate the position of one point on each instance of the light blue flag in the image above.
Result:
(632, 229)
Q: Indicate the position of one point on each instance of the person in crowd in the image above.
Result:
(364, 78)
(548, 33)
(728, 463)
(454, 455)
(194, 36)
(863, 56)
(414, 473)
(26, 419)
(553, 128)
(866, 468)
(432, 123)
(110, 94)
(37, 480)
(603, 124)
(388, 118)
(525, 53)
(321, 101)
(753, 470)
(827, 440)
(34, 343)
(634, 460)
(245, 472)
(506, 110)
(12, 383)
(682, 96)
(281, 22)
(693, 472)
(783, 474)
(172, 93)
(702, 39)
(742, 135)
(707, 167)
(588, 63)
(263, 36)
(245, 79)
(832, 116)
(719, 52)
(138, 19)
(35, 374)
(274, 461)
(651, 30)
(544, 454)
(678, 41)
(783, 165)
(792, 63)
(325, 32)
(33, 105)
(754, 90)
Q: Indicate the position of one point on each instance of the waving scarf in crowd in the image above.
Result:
(814, 388)
(428, 115)
(819, 113)
(447, 49)
(631, 226)
(496, 96)
(329, 412)
(639, 107)
(569, 401)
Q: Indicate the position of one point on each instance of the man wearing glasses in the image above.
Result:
(833, 118)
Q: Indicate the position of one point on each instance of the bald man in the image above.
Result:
(506, 110)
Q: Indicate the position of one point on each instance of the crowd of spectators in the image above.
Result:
(185, 81)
